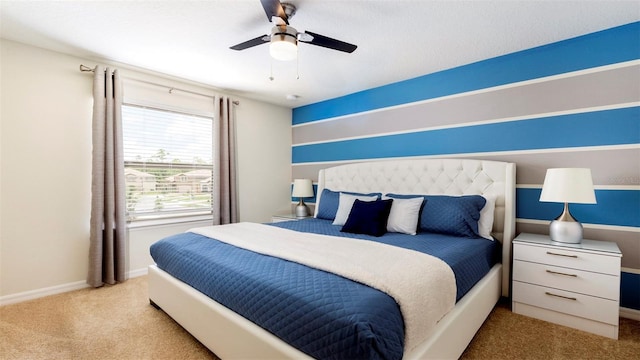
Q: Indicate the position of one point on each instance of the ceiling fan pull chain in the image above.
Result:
(271, 70)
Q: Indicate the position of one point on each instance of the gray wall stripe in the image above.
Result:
(489, 89)
(532, 166)
(591, 90)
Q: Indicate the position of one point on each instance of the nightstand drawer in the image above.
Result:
(580, 305)
(583, 282)
(568, 258)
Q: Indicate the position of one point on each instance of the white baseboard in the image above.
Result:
(139, 272)
(38, 293)
(632, 314)
(58, 289)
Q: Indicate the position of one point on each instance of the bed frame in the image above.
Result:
(231, 336)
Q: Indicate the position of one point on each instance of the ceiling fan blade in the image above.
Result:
(274, 8)
(325, 41)
(251, 43)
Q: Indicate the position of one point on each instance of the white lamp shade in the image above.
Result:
(302, 188)
(568, 185)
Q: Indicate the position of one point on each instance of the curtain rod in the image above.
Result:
(84, 68)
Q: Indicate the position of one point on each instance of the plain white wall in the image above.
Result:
(45, 169)
(265, 187)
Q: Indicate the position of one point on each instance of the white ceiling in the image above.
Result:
(396, 40)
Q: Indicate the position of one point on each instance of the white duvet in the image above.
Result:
(422, 285)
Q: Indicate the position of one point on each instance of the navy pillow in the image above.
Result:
(368, 217)
(329, 202)
(452, 215)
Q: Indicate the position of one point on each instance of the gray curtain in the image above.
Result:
(108, 233)
(224, 162)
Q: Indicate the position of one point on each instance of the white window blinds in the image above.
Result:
(168, 159)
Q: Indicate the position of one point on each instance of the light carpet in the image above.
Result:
(117, 322)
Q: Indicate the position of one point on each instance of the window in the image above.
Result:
(168, 161)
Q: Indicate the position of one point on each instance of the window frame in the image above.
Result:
(171, 217)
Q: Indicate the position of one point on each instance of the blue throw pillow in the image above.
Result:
(451, 215)
(329, 202)
(368, 217)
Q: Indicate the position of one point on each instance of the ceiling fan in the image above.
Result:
(283, 41)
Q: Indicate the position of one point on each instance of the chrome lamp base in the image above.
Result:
(302, 210)
(565, 228)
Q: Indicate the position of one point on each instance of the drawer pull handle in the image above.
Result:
(565, 255)
(560, 296)
(560, 273)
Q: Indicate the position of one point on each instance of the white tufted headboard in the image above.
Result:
(436, 177)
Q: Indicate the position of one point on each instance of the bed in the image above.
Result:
(230, 335)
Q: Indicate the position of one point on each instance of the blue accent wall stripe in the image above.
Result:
(614, 207)
(601, 48)
(598, 128)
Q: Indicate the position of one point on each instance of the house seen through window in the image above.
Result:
(168, 160)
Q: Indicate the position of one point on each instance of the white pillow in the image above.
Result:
(346, 203)
(485, 224)
(404, 215)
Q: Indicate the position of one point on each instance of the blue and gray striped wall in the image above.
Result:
(574, 103)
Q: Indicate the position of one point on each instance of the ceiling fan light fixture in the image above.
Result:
(284, 43)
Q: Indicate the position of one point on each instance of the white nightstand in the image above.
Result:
(287, 217)
(575, 285)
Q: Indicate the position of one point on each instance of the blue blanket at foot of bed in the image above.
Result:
(321, 314)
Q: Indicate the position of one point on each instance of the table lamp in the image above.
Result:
(567, 185)
(302, 188)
